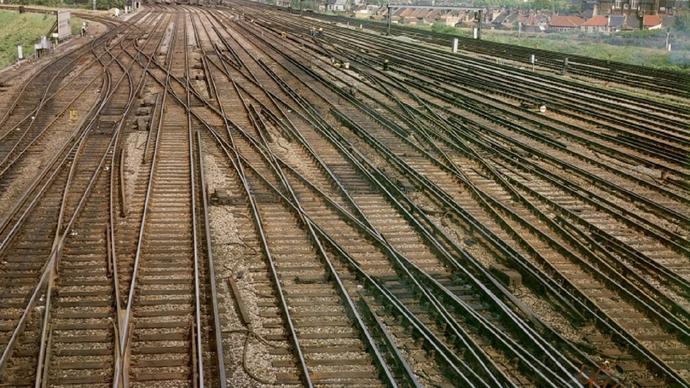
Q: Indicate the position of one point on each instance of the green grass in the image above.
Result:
(636, 47)
(75, 25)
(100, 4)
(594, 47)
(644, 48)
(25, 29)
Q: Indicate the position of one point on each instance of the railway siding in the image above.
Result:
(244, 202)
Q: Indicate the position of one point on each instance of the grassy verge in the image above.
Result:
(75, 25)
(596, 46)
(100, 4)
(24, 29)
(644, 48)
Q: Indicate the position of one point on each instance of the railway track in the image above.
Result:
(62, 195)
(583, 67)
(394, 148)
(244, 204)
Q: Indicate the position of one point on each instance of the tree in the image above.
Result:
(682, 23)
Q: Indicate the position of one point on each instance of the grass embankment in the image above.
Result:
(644, 48)
(100, 4)
(626, 47)
(25, 29)
(75, 25)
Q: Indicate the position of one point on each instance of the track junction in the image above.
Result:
(242, 196)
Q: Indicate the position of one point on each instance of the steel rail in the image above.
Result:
(121, 369)
(64, 83)
(17, 98)
(345, 152)
(220, 355)
(468, 60)
(209, 128)
(468, 150)
(577, 170)
(654, 148)
(429, 337)
(669, 320)
(676, 241)
(271, 159)
(278, 122)
(669, 85)
(195, 242)
(36, 111)
(344, 148)
(674, 305)
(459, 96)
(470, 76)
(5, 222)
(58, 242)
(110, 149)
(258, 222)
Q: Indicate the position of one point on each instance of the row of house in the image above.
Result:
(589, 7)
(525, 20)
(609, 23)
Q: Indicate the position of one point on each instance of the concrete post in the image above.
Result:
(565, 66)
(455, 45)
(20, 52)
(532, 60)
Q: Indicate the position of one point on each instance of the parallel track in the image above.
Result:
(245, 204)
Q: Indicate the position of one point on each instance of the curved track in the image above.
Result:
(240, 203)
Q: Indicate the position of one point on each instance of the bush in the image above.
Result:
(682, 23)
(443, 28)
(24, 29)
(680, 59)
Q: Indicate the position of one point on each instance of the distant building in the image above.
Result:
(652, 22)
(632, 22)
(511, 20)
(640, 7)
(338, 5)
(560, 23)
(616, 23)
(451, 18)
(596, 24)
(362, 12)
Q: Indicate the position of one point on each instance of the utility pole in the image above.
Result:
(479, 26)
(389, 19)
